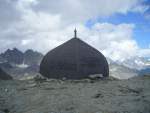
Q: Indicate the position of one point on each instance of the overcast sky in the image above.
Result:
(118, 28)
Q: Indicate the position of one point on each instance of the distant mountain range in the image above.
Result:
(26, 64)
(130, 67)
(121, 72)
(19, 64)
(145, 71)
(17, 57)
(138, 63)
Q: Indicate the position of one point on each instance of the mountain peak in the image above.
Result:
(15, 56)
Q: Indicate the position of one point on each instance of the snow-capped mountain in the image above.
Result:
(20, 64)
(130, 67)
(137, 63)
(121, 72)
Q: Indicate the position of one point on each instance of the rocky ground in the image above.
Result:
(84, 96)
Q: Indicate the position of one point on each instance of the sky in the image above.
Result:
(120, 29)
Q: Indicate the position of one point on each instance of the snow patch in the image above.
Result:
(22, 65)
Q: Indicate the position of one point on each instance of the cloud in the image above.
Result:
(147, 16)
(45, 25)
(8, 13)
(115, 41)
(81, 10)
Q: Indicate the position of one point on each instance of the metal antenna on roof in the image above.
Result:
(75, 33)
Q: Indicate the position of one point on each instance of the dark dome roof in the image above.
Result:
(74, 59)
(4, 75)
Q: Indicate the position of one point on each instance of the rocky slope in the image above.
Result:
(84, 96)
(4, 75)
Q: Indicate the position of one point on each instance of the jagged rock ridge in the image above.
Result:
(20, 64)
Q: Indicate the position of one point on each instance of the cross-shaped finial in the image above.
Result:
(75, 33)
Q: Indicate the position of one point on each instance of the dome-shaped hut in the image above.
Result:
(4, 75)
(74, 59)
